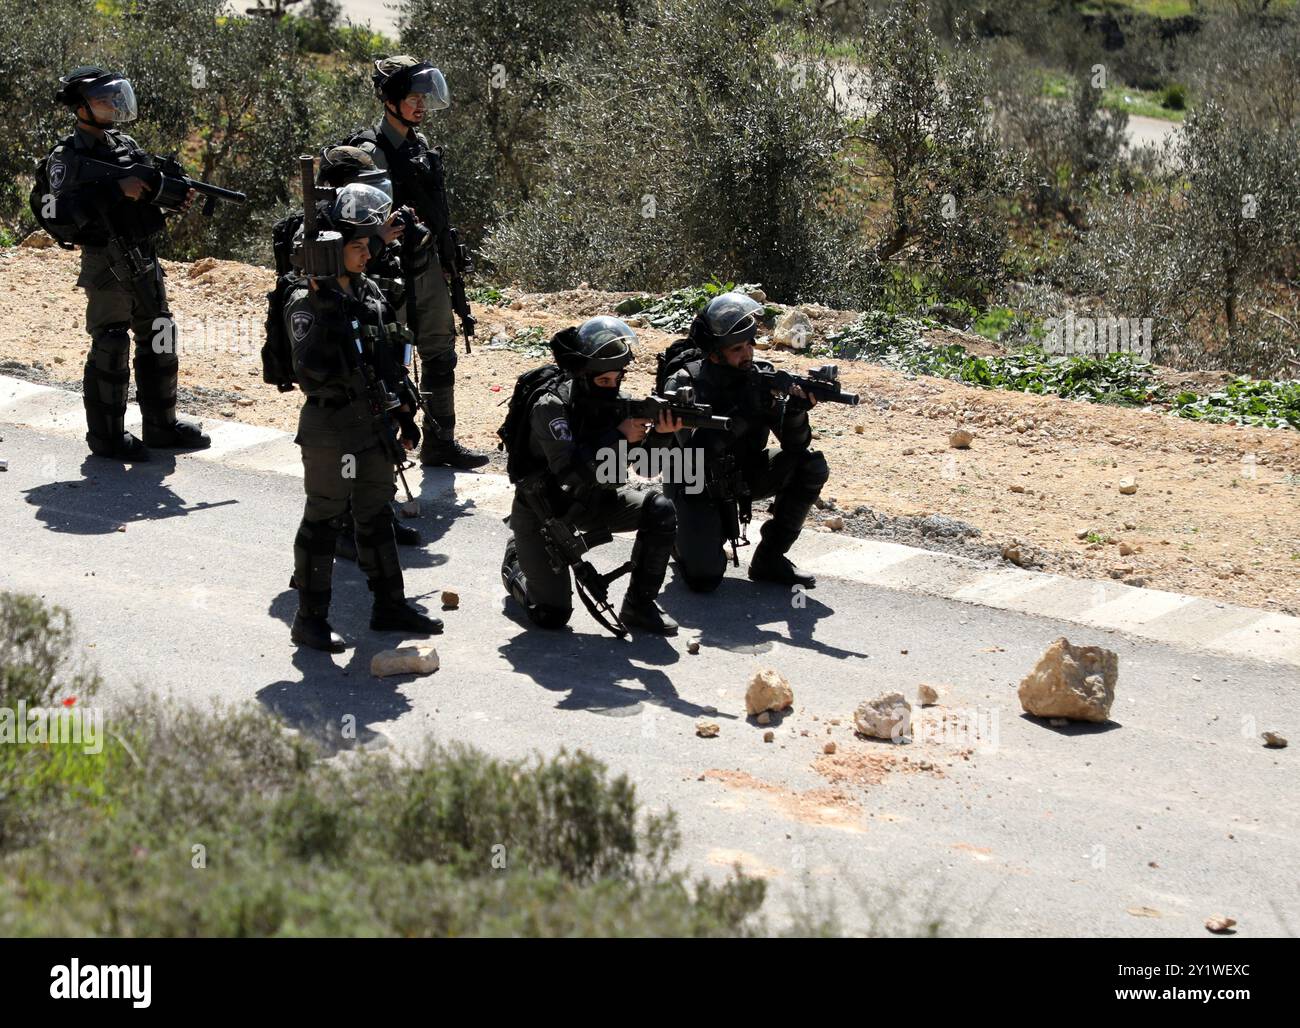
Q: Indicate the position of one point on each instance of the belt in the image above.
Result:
(332, 402)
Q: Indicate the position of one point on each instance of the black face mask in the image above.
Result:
(590, 392)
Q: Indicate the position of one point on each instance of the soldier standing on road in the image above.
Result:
(116, 303)
(409, 88)
(343, 353)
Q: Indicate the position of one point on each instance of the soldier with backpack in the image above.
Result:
(558, 427)
(408, 89)
(717, 360)
(86, 196)
(356, 422)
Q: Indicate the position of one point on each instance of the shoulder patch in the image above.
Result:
(58, 172)
(300, 324)
(560, 430)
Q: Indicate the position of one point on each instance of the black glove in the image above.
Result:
(406, 421)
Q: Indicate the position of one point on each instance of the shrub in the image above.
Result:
(216, 822)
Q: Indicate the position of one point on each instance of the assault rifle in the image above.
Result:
(461, 266)
(822, 383)
(166, 179)
(567, 547)
(680, 404)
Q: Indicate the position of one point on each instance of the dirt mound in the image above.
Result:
(1213, 513)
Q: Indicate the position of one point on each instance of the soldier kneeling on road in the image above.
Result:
(560, 427)
(348, 363)
(717, 360)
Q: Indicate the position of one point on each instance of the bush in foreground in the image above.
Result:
(219, 823)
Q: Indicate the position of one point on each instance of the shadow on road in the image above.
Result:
(596, 672)
(334, 704)
(730, 618)
(110, 494)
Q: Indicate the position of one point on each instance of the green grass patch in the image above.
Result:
(1259, 403)
(675, 311)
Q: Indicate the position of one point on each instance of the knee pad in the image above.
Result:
(813, 470)
(440, 365)
(658, 516)
(549, 617)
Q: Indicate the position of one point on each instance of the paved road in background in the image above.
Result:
(1142, 827)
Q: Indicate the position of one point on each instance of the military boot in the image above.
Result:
(310, 625)
(175, 435)
(769, 562)
(447, 453)
(393, 612)
(649, 566)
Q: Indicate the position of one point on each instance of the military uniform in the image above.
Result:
(790, 472)
(113, 310)
(564, 443)
(343, 456)
(418, 182)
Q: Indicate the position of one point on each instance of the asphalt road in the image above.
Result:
(1174, 810)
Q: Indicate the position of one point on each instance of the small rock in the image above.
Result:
(757, 295)
(909, 451)
(246, 401)
(829, 748)
(1128, 486)
(201, 265)
(1130, 526)
(707, 729)
(835, 524)
(1017, 488)
(450, 600)
(961, 439)
(859, 429)
(1220, 924)
(406, 660)
(769, 736)
(927, 695)
(1075, 682)
(1274, 741)
(1081, 533)
(764, 718)
(38, 240)
(768, 690)
(1125, 550)
(888, 716)
(1015, 553)
(4, 465)
(693, 646)
(121, 528)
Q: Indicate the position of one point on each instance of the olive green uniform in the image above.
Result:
(565, 446)
(740, 467)
(112, 309)
(418, 182)
(344, 458)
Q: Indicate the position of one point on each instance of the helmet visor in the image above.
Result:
(112, 101)
(428, 82)
(359, 211)
(377, 179)
(732, 317)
